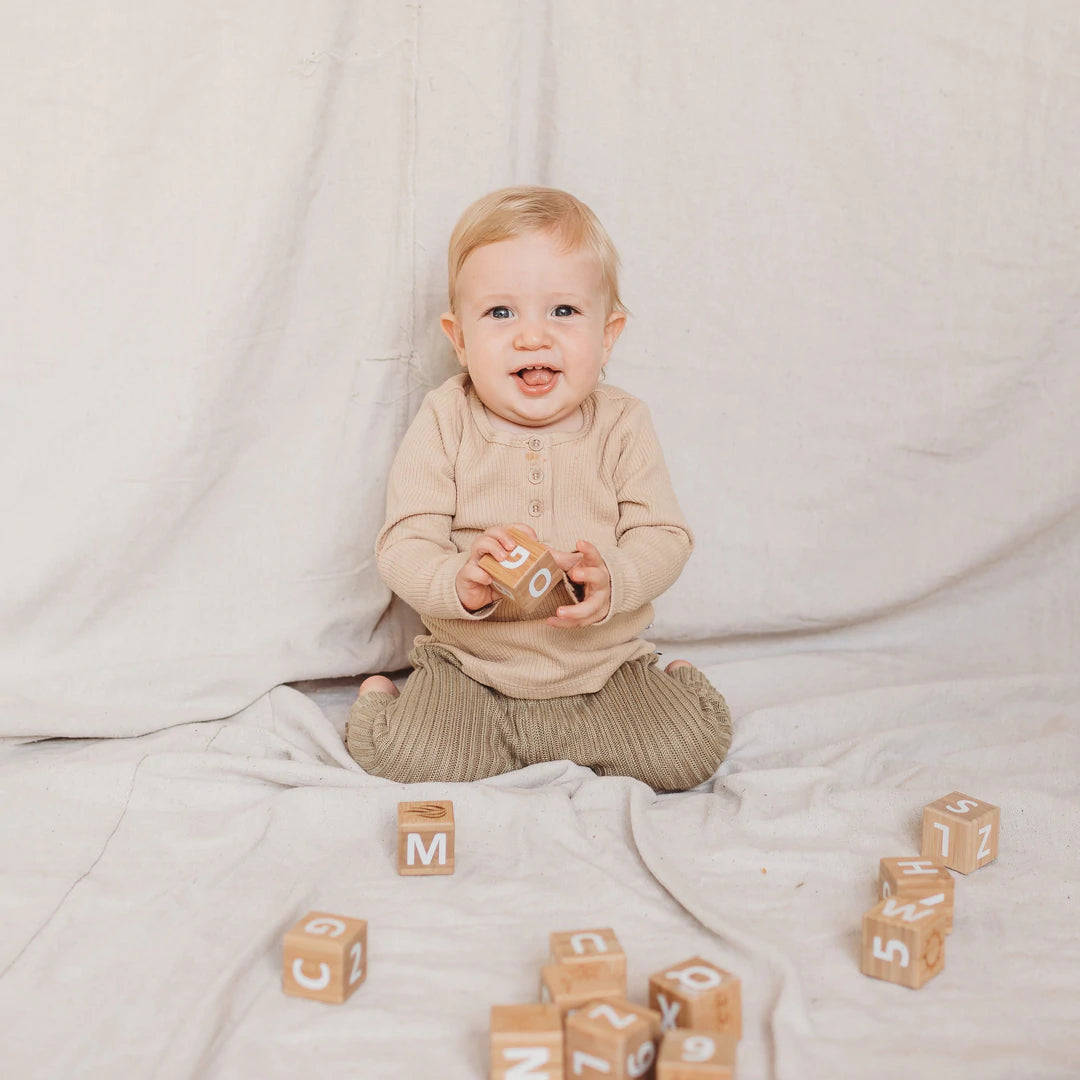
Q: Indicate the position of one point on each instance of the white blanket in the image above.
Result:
(851, 244)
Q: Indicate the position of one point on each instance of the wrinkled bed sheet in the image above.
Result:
(147, 882)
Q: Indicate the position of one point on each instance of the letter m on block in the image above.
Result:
(426, 854)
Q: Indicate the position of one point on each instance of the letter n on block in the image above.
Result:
(526, 1042)
(426, 837)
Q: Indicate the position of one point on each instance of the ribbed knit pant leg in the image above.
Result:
(670, 731)
(444, 726)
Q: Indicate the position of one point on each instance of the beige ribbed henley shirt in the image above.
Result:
(455, 475)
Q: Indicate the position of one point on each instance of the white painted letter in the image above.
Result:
(578, 941)
(944, 838)
(536, 589)
(306, 981)
(416, 847)
(528, 1060)
(698, 1048)
(516, 558)
(697, 978)
(887, 955)
(669, 1011)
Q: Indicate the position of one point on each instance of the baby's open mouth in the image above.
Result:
(536, 375)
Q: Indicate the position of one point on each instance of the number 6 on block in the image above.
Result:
(324, 957)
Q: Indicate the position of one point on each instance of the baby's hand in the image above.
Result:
(473, 583)
(584, 566)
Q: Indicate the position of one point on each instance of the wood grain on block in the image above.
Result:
(961, 831)
(912, 875)
(611, 1039)
(697, 994)
(324, 957)
(688, 1054)
(597, 950)
(570, 987)
(426, 837)
(526, 1041)
(903, 940)
(526, 574)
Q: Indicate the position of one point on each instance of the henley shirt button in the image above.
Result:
(536, 508)
(536, 475)
(536, 443)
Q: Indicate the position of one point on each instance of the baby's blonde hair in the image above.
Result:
(515, 211)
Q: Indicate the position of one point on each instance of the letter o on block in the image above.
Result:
(324, 957)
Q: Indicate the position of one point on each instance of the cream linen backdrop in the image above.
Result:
(851, 244)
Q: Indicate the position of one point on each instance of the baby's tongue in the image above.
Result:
(537, 376)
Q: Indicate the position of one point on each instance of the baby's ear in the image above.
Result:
(616, 323)
(452, 329)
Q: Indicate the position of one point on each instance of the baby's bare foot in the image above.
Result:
(378, 682)
(676, 664)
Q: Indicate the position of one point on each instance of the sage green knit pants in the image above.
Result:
(670, 731)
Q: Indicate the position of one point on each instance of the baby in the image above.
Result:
(528, 435)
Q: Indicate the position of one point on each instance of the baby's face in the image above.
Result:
(532, 327)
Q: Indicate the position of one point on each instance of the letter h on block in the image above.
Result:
(526, 574)
(904, 942)
(526, 1042)
(325, 957)
(961, 831)
(426, 837)
(927, 877)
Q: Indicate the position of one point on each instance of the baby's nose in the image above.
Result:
(531, 336)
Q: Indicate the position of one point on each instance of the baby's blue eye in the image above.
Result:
(500, 312)
(564, 310)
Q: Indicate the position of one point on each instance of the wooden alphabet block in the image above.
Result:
(686, 1054)
(697, 994)
(961, 831)
(526, 1042)
(569, 987)
(903, 940)
(598, 951)
(611, 1039)
(526, 574)
(426, 837)
(325, 957)
(909, 876)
